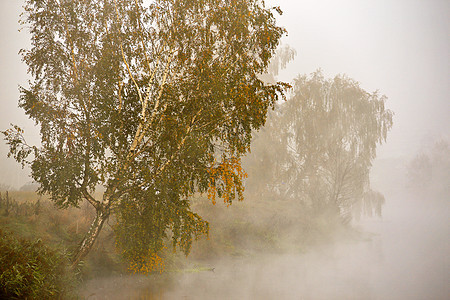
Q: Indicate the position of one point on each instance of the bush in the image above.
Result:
(30, 269)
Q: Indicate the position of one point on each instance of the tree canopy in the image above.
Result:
(154, 103)
(326, 137)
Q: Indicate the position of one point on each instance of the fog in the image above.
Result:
(398, 47)
(403, 255)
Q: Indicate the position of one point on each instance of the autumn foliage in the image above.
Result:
(226, 179)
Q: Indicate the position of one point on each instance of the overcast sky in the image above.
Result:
(398, 47)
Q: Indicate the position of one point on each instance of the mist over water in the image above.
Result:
(414, 246)
(403, 255)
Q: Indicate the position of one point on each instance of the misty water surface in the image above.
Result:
(407, 257)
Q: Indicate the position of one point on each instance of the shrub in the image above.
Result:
(30, 269)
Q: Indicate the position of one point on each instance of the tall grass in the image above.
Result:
(32, 270)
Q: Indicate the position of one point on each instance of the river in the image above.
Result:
(407, 257)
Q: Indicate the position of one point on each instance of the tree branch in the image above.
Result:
(90, 199)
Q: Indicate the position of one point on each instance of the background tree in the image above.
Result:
(428, 172)
(262, 162)
(326, 137)
(152, 103)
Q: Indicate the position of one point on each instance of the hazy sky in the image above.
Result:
(399, 47)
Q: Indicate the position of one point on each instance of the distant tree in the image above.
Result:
(29, 186)
(152, 103)
(420, 171)
(428, 173)
(279, 61)
(262, 162)
(6, 187)
(326, 137)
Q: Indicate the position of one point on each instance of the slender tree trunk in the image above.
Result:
(102, 214)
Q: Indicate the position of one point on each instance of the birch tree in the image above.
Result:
(153, 103)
